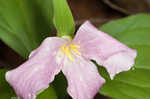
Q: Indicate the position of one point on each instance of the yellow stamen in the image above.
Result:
(66, 50)
(76, 51)
(74, 46)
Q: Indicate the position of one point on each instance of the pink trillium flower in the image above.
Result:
(73, 58)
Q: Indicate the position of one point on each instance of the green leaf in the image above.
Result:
(25, 23)
(133, 31)
(62, 18)
(131, 22)
(60, 85)
(49, 93)
(6, 91)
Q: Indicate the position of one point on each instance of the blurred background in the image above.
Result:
(97, 11)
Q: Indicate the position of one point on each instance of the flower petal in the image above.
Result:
(106, 50)
(37, 72)
(119, 62)
(83, 78)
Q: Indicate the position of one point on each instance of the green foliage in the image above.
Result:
(6, 92)
(25, 23)
(133, 31)
(62, 18)
(49, 93)
(60, 85)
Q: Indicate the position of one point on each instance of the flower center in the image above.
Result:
(69, 50)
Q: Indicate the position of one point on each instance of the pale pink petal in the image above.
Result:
(83, 78)
(119, 62)
(37, 72)
(103, 48)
